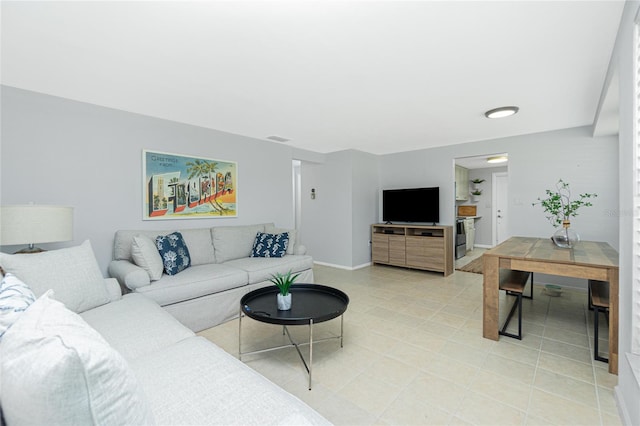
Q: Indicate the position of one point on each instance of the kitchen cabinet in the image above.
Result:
(462, 183)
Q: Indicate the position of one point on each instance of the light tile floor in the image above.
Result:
(414, 354)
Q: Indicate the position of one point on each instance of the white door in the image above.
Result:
(500, 207)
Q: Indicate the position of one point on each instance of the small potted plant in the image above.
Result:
(475, 193)
(560, 209)
(283, 282)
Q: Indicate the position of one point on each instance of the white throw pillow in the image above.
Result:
(145, 254)
(73, 273)
(293, 234)
(56, 369)
(15, 298)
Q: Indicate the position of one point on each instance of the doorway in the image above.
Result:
(479, 180)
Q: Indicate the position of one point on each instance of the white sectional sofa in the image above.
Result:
(83, 353)
(221, 272)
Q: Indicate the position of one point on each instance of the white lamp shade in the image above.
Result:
(35, 224)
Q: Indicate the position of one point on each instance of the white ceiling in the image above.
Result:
(381, 77)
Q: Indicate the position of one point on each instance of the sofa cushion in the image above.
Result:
(198, 240)
(73, 273)
(15, 298)
(216, 388)
(136, 326)
(200, 245)
(57, 370)
(174, 253)
(194, 282)
(293, 234)
(261, 268)
(145, 254)
(270, 245)
(234, 242)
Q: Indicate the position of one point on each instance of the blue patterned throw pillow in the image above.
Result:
(270, 245)
(15, 298)
(174, 253)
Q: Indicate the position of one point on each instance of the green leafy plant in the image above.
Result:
(476, 192)
(477, 180)
(558, 203)
(283, 281)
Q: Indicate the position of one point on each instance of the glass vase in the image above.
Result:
(565, 237)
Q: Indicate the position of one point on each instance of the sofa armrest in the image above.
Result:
(113, 288)
(128, 274)
(300, 250)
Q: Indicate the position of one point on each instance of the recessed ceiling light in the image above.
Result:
(497, 159)
(501, 112)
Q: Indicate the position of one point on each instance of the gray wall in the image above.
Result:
(422, 168)
(365, 194)
(57, 151)
(326, 221)
(336, 225)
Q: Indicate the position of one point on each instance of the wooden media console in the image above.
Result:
(413, 246)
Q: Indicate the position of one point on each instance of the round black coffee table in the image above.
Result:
(311, 304)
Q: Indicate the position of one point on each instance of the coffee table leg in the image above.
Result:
(341, 328)
(240, 335)
(310, 350)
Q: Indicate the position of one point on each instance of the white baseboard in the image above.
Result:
(364, 265)
(622, 408)
(633, 388)
(484, 246)
(348, 268)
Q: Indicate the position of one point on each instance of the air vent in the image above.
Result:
(278, 139)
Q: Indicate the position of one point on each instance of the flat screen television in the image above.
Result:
(411, 205)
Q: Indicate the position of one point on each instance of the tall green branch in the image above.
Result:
(558, 203)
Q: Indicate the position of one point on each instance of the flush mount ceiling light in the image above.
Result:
(497, 159)
(501, 112)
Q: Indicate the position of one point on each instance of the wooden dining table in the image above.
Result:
(587, 259)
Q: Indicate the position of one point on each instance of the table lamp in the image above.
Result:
(35, 224)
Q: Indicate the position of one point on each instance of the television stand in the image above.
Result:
(425, 247)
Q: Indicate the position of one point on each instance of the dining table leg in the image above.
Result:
(490, 296)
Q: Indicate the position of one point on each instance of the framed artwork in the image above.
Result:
(182, 187)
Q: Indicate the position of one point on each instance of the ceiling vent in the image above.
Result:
(278, 139)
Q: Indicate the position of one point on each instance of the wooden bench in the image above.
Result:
(599, 300)
(513, 283)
